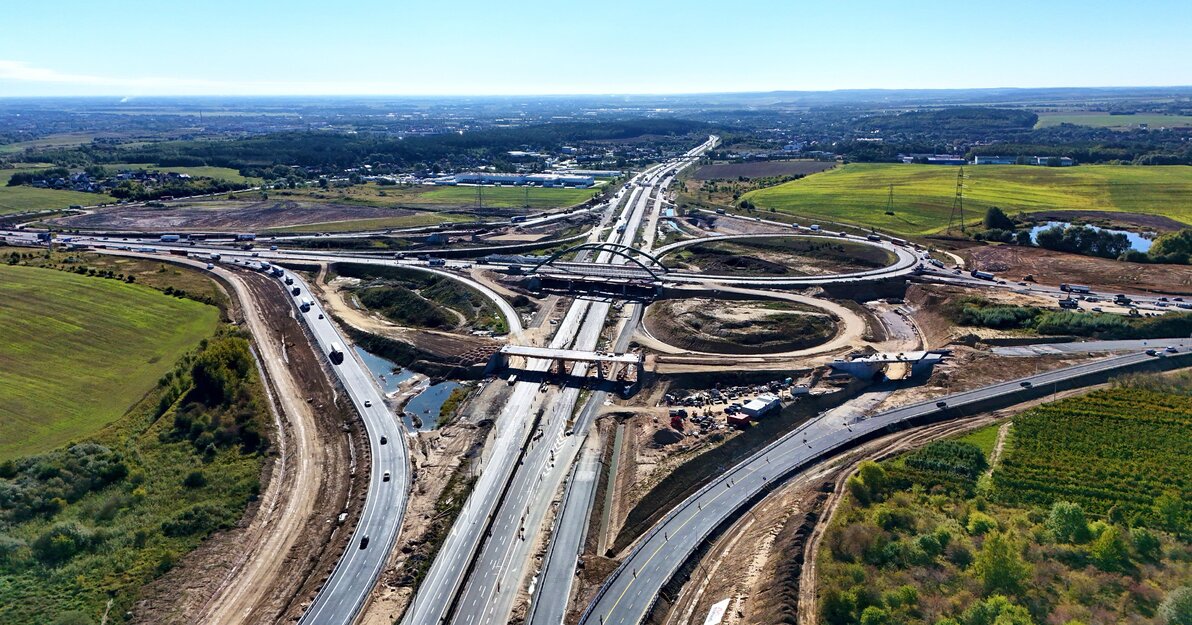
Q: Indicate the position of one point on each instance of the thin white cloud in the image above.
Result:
(23, 72)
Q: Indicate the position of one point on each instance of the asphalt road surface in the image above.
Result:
(345, 591)
(629, 593)
(488, 595)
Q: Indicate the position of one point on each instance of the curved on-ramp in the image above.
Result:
(629, 594)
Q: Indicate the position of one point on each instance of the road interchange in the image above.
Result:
(478, 574)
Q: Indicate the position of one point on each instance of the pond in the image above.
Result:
(427, 404)
(1138, 242)
(383, 370)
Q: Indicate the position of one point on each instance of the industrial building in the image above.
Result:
(1062, 161)
(517, 180)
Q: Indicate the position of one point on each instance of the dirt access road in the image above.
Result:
(260, 571)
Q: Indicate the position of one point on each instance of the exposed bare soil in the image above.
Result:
(278, 556)
(739, 327)
(223, 214)
(448, 346)
(1050, 267)
(760, 169)
(927, 301)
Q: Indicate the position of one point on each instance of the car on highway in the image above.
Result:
(385, 478)
(941, 404)
(384, 440)
(368, 403)
(364, 542)
(1171, 349)
(1025, 384)
(1151, 352)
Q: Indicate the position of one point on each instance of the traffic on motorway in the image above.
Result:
(539, 447)
(628, 595)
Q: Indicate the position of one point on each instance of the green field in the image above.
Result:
(78, 351)
(23, 199)
(63, 140)
(220, 173)
(923, 194)
(1105, 120)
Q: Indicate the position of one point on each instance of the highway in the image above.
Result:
(1092, 347)
(629, 594)
(352, 581)
(502, 560)
(552, 593)
(344, 593)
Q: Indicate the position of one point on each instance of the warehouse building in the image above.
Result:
(517, 180)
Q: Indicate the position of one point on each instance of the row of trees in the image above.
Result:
(1170, 248)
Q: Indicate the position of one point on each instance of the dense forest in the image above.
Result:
(336, 150)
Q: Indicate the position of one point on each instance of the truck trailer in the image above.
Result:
(983, 275)
(336, 354)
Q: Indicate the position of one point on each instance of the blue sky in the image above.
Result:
(247, 47)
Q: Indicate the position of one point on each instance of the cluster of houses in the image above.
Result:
(86, 183)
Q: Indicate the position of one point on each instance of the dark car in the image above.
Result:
(364, 542)
(384, 439)
(941, 404)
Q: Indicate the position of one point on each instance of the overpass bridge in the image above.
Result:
(646, 267)
(607, 365)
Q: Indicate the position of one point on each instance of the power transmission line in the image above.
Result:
(957, 215)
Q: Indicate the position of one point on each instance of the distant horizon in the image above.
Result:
(610, 94)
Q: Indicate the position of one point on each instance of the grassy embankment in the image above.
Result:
(165, 449)
(923, 194)
(1083, 521)
(79, 351)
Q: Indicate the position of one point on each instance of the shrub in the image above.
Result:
(1176, 609)
(1146, 544)
(1068, 523)
(194, 479)
(1109, 551)
(980, 523)
(60, 543)
(999, 566)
